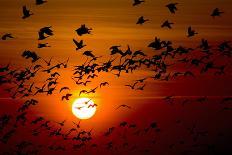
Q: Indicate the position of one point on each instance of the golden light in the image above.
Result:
(83, 108)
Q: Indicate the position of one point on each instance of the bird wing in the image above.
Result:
(76, 43)
(25, 11)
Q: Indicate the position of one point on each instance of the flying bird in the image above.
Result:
(167, 24)
(45, 32)
(66, 97)
(123, 106)
(29, 54)
(89, 54)
(141, 20)
(191, 32)
(104, 84)
(83, 30)
(7, 36)
(172, 7)
(132, 86)
(26, 13)
(79, 45)
(43, 45)
(83, 91)
(64, 88)
(137, 2)
(92, 105)
(216, 12)
(39, 2)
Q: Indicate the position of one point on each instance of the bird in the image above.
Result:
(132, 86)
(137, 2)
(7, 36)
(29, 54)
(61, 123)
(141, 20)
(39, 2)
(89, 54)
(93, 90)
(139, 52)
(48, 62)
(79, 45)
(92, 105)
(26, 13)
(172, 7)
(77, 124)
(42, 45)
(167, 24)
(55, 74)
(92, 76)
(104, 84)
(45, 31)
(64, 88)
(79, 108)
(83, 30)
(124, 106)
(216, 12)
(66, 97)
(191, 32)
(141, 80)
(123, 124)
(83, 91)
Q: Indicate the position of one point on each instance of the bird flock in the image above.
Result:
(20, 83)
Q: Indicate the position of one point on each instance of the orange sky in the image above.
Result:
(113, 22)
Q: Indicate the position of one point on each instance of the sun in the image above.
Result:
(83, 108)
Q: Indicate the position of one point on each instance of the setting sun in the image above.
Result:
(83, 108)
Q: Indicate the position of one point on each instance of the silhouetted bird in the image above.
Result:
(37, 120)
(55, 74)
(83, 30)
(61, 123)
(66, 97)
(204, 45)
(137, 2)
(216, 12)
(83, 91)
(141, 20)
(157, 44)
(26, 13)
(139, 52)
(123, 124)
(167, 24)
(39, 2)
(48, 62)
(132, 86)
(123, 106)
(64, 88)
(141, 80)
(191, 32)
(32, 55)
(89, 54)
(45, 31)
(79, 45)
(172, 7)
(7, 36)
(42, 45)
(104, 84)
(92, 105)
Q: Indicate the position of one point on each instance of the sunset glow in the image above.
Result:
(83, 108)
